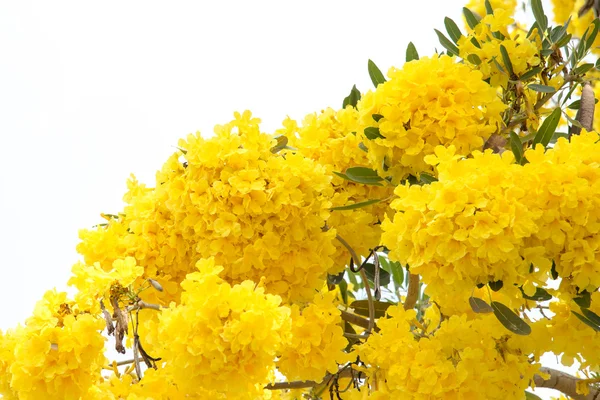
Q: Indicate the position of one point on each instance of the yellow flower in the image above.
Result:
(222, 338)
(461, 359)
(57, 354)
(258, 213)
(93, 283)
(330, 139)
(429, 102)
(317, 342)
(478, 6)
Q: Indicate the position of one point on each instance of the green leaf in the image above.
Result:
(564, 41)
(547, 129)
(510, 320)
(377, 117)
(343, 176)
(471, 18)
(375, 74)
(553, 272)
(506, 60)
(411, 52)
(516, 146)
(498, 65)
(354, 282)
(584, 299)
(373, 133)
(453, 29)
(542, 88)
(586, 321)
(352, 98)
(335, 279)
(496, 285)
(531, 396)
(384, 276)
(575, 105)
(589, 41)
(591, 316)
(361, 307)
(488, 7)
(362, 146)
(282, 142)
(582, 69)
(474, 59)
(426, 178)
(344, 291)
(559, 32)
(480, 306)
(538, 13)
(356, 205)
(448, 45)
(363, 175)
(539, 295)
(397, 273)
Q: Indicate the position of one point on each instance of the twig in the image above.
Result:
(523, 117)
(355, 319)
(342, 373)
(564, 383)
(119, 363)
(412, 293)
(142, 304)
(363, 276)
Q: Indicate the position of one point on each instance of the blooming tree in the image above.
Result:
(431, 239)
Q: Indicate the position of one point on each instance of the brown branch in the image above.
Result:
(291, 385)
(412, 293)
(564, 383)
(355, 319)
(363, 276)
(344, 372)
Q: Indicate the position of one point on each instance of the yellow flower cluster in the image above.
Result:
(258, 213)
(330, 139)
(57, 354)
(429, 102)
(317, 342)
(478, 6)
(145, 231)
(461, 359)
(480, 44)
(466, 228)
(488, 219)
(93, 283)
(222, 338)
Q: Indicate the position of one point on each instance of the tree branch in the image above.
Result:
(363, 277)
(142, 304)
(355, 319)
(412, 293)
(564, 383)
(345, 372)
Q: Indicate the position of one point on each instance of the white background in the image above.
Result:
(93, 91)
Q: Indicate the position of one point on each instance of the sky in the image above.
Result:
(91, 92)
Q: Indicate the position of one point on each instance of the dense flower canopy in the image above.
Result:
(432, 238)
